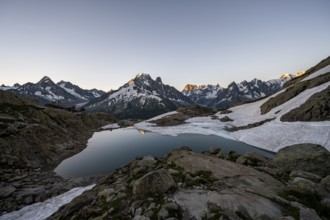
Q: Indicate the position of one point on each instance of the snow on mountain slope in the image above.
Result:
(80, 93)
(72, 92)
(4, 87)
(272, 135)
(318, 73)
(47, 91)
(250, 113)
(214, 96)
(141, 97)
(276, 134)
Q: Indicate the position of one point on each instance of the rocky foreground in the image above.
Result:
(295, 184)
(34, 139)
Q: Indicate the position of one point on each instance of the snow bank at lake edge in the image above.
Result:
(42, 210)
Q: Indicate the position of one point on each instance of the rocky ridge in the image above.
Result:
(211, 185)
(46, 91)
(214, 96)
(141, 97)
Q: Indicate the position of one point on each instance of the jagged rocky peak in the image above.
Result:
(45, 80)
(62, 82)
(189, 87)
(159, 80)
(286, 76)
(291, 76)
(143, 76)
(232, 85)
(66, 84)
(140, 78)
(141, 97)
(144, 80)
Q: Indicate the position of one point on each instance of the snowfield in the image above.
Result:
(42, 210)
(197, 125)
(272, 135)
(318, 73)
(111, 126)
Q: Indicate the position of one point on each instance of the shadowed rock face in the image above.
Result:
(32, 138)
(293, 91)
(316, 108)
(306, 157)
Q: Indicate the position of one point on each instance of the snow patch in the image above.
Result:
(126, 93)
(81, 104)
(162, 115)
(72, 92)
(111, 126)
(42, 210)
(197, 125)
(318, 73)
(211, 95)
(7, 87)
(95, 94)
(275, 135)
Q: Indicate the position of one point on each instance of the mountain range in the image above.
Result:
(46, 91)
(215, 96)
(144, 97)
(141, 97)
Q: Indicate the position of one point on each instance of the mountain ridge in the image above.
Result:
(140, 97)
(47, 91)
(215, 96)
(144, 97)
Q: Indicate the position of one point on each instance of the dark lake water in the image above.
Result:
(108, 150)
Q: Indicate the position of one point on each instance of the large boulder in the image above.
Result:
(196, 203)
(154, 182)
(233, 174)
(252, 159)
(303, 186)
(325, 182)
(306, 157)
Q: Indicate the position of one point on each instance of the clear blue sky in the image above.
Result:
(103, 44)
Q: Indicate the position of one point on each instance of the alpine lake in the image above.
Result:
(111, 149)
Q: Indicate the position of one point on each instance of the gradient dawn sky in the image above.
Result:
(103, 44)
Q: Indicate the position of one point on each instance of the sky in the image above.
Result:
(103, 44)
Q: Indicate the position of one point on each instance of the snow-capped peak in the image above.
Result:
(141, 97)
(216, 97)
(143, 76)
(45, 79)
